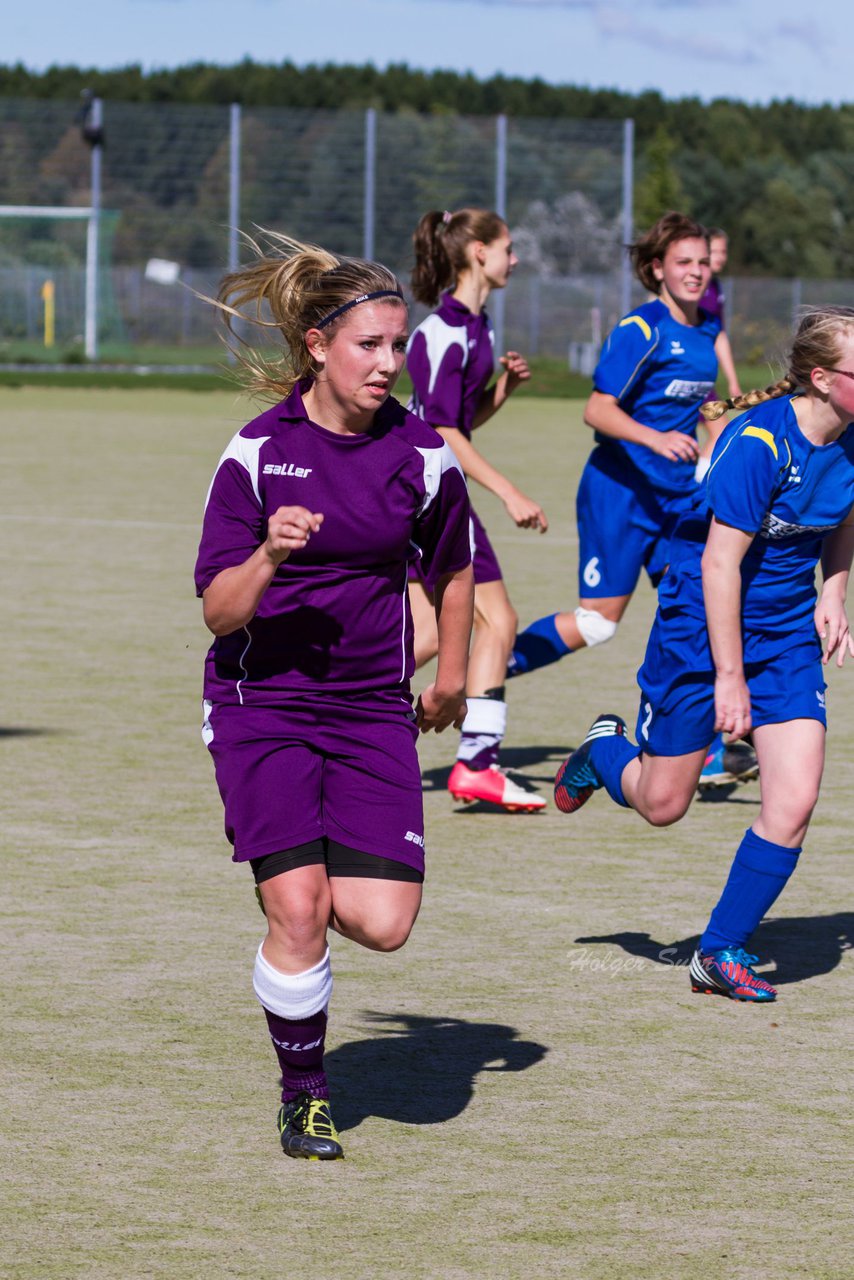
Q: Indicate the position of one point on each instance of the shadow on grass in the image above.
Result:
(725, 795)
(420, 1070)
(22, 731)
(800, 947)
(511, 758)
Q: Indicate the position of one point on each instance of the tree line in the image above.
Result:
(778, 177)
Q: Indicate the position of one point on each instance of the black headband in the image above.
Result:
(354, 302)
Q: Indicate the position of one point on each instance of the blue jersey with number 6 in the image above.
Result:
(660, 372)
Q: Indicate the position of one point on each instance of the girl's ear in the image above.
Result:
(316, 343)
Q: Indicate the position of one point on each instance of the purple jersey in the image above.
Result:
(450, 360)
(336, 613)
(713, 300)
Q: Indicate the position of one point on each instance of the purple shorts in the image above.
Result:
(483, 558)
(292, 774)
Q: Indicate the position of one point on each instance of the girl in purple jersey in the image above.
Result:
(459, 259)
(313, 516)
(712, 302)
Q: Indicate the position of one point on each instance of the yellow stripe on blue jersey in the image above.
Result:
(640, 322)
(761, 434)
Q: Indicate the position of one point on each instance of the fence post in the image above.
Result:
(534, 316)
(501, 210)
(797, 300)
(93, 227)
(369, 232)
(233, 185)
(628, 214)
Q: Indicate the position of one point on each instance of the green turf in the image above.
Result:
(514, 1102)
(550, 377)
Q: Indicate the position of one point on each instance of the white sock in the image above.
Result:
(293, 995)
(483, 728)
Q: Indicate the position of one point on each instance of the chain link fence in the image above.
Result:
(176, 182)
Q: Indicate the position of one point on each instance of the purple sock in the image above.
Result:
(299, 1045)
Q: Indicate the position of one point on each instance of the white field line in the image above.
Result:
(95, 520)
(551, 540)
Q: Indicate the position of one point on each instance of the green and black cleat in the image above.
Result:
(306, 1129)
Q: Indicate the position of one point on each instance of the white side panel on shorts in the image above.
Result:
(207, 727)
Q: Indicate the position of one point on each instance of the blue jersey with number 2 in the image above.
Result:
(769, 480)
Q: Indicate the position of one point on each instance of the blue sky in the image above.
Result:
(754, 50)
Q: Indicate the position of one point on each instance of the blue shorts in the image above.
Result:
(624, 526)
(677, 702)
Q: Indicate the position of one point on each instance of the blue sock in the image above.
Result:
(758, 875)
(537, 646)
(610, 757)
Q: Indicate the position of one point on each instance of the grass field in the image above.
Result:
(528, 1089)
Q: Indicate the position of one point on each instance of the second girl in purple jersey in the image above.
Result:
(460, 258)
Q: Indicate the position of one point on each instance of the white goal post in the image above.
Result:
(90, 215)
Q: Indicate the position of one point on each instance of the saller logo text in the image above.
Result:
(286, 469)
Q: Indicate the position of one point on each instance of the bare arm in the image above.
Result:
(723, 351)
(516, 372)
(526, 513)
(726, 547)
(603, 413)
(831, 619)
(230, 601)
(444, 701)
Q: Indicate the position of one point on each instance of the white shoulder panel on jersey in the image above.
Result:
(246, 453)
(440, 337)
(436, 463)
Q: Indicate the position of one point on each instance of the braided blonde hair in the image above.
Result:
(815, 345)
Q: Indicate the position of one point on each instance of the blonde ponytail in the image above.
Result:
(292, 287)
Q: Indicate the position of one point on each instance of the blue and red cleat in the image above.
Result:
(728, 972)
(577, 779)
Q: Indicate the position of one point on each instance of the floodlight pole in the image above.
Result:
(628, 215)
(234, 186)
(501, 210)
(369, 233)
(94, 124)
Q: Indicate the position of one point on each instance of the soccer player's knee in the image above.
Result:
(665, 809)
(593, 627)
(389, 935)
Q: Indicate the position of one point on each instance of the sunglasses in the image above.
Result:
(846, 373)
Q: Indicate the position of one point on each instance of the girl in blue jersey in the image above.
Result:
(736, 643)
(459, 259)
(657, 368)
(315, 512)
